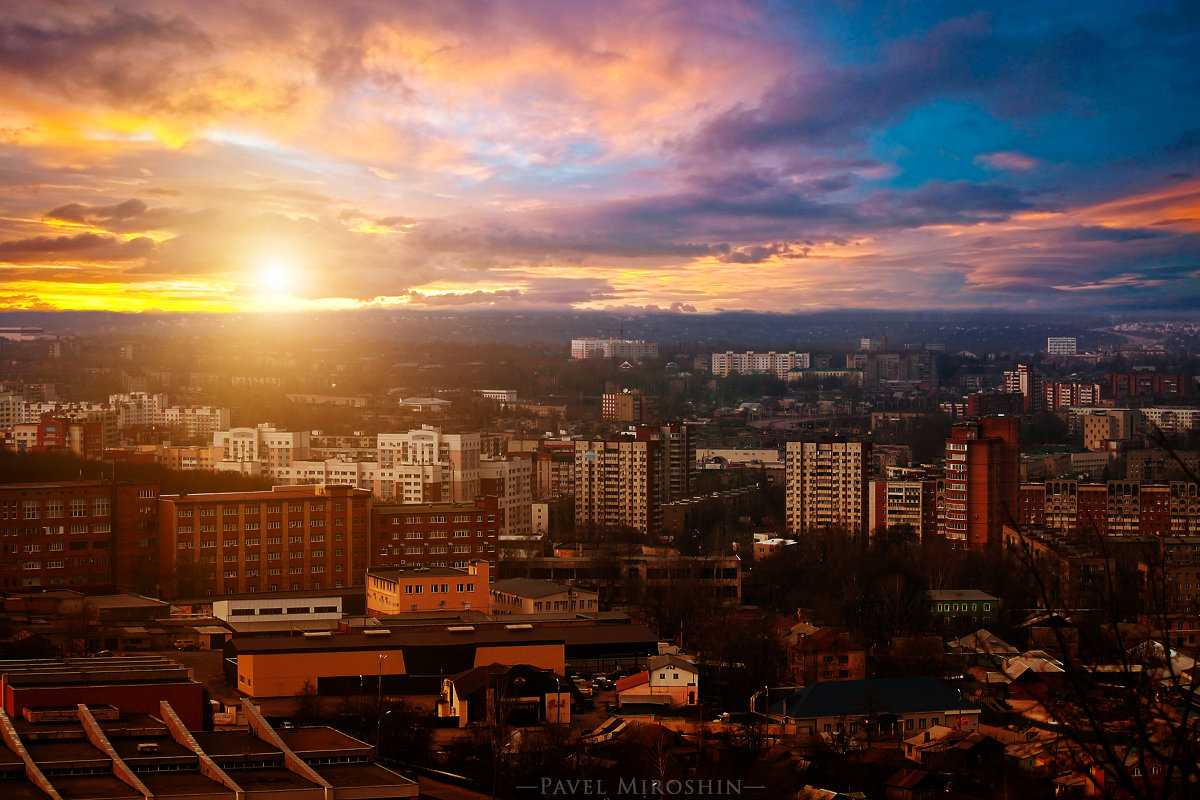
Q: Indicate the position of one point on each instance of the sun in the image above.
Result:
(275, 277)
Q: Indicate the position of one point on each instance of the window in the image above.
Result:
(229, 512)
(274, 510)
(208, 512)
(295, 508)
(273, 526)
(274, 540)
(183, 513)
(317, 537)
(101, 506)
(295, 523)
(147, 493)
(79, 507)
(54, 509)
(316, 523)
(251, 526)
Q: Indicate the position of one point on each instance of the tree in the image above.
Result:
(308, 704)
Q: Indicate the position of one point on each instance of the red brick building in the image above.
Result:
(90, 536)
(292, 538)
(1125, 508)
(435, 534)
(982, 481)
(826, 655)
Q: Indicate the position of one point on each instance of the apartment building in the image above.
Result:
(752, 363)
(510, 481)
(553, 464)
(1060, 345)
(1112, 508)
(622, 482)
(904, 500)
(630, 349)
(435, 534)
(825, 486)
(287, 539)
(628, 405)
(81, 535)
(981, 485)
(618, 484)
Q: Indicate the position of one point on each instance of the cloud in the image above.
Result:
(65, 249)
(1006, 160)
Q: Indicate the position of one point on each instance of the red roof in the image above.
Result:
(630, 681)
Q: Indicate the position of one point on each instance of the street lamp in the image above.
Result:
(379, 686)
(378, 730)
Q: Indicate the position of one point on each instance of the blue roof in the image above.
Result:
(879, 696)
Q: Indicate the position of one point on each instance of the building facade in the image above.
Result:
(752, 363)
(982, 480)
(435, 534)
(82, 535)
(394, 591)
(286, 539)
(826, 486)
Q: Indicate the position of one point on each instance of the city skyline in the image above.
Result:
(630, 156)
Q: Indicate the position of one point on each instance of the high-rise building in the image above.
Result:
(292, 538)
(826, 486)
(623, 482)
(982, 480)
(1027, 382)
(628, 405)
(509, 480)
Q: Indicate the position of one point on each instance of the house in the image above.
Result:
(953, 607)
(888, 706)
(914, 784)
(825, 655)
(667, 682)
(522, 694)
(529, 596)
(982, 647)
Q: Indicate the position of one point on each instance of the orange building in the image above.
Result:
(292, 538)
(392, 591)
(346, 664)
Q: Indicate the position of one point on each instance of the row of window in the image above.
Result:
(55, 508)
(232, 511)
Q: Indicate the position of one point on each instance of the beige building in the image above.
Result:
(826, 486)
(510, 479)
(393, 591)
(529, 596)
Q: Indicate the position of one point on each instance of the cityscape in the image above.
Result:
(472, 400)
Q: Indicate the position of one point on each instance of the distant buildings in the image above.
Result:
(630, 349)
(1060, 345)
(752, 363)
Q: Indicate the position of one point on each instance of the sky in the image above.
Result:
(689, 156)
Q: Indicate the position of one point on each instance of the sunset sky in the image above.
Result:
(231, 156)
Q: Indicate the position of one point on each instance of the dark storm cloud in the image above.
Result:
(90, 246)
